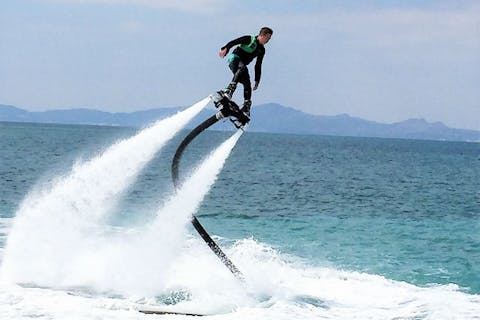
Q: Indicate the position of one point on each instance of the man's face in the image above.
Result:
(264, 38)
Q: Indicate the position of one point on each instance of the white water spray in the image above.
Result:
(189, 196)
(51, 223)
(142, 262)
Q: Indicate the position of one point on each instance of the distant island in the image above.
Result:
(272, 118)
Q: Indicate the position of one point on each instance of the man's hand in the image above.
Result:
(223, 53)
(255, 87)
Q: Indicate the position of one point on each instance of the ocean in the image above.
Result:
(321, 227)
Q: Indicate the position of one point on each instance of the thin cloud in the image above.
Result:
(391, 27)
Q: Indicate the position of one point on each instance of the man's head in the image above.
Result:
(264, 35)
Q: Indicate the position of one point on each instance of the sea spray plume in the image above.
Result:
(140, 262)
(51, 223)
(145, 263)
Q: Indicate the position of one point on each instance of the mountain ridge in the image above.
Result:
(285, 120)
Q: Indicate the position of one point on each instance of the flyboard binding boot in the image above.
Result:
(228, 108)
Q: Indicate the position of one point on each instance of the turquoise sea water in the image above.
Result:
(402, 209)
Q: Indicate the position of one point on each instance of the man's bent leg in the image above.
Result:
(239, 69)
(232, 86)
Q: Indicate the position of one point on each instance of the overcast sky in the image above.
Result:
(384, 61)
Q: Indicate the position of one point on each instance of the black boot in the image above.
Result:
(246, 107)
(229, 90)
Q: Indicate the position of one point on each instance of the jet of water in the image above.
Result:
(52, 222)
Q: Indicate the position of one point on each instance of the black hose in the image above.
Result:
(197, 225)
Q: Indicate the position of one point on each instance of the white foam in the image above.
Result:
(278, 286)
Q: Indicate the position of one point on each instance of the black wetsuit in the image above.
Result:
(248, 49)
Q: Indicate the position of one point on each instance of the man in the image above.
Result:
(249, 48)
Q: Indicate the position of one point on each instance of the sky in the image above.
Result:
(384, 61)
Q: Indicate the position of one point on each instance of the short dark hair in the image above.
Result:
(265, 30)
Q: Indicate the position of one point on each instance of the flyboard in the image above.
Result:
(227, 109)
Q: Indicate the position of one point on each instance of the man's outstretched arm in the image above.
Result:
(228, 46)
